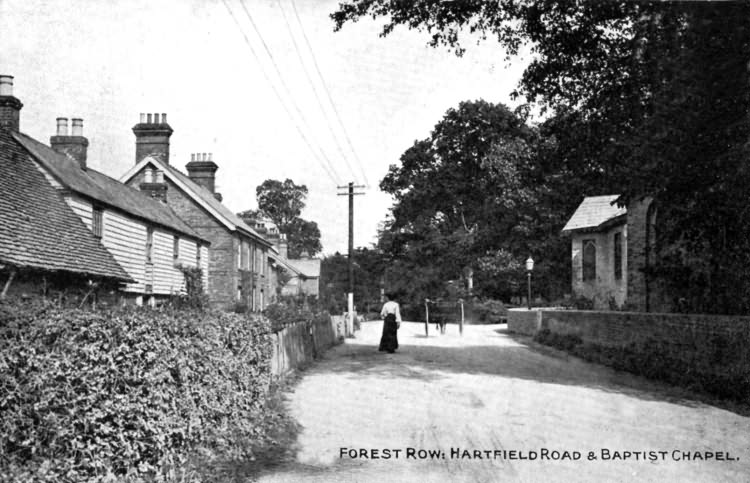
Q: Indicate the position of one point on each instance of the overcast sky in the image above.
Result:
(109, 61)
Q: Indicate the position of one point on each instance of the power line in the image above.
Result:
(315, 90)
(328, 93)
(281, 80)
(331, 175)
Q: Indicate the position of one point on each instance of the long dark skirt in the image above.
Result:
(389, 339)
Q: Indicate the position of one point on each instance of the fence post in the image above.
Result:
(461, 323)
(426, 318)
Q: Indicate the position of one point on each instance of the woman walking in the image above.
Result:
(391, 322)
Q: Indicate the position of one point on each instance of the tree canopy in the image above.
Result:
(647, 98)
(282, 203)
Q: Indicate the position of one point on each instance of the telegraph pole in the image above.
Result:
(350, 296)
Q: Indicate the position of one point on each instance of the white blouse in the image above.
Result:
(391, 307)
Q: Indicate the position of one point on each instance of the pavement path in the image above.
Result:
(487, 391)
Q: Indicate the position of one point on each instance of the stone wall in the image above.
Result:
(621, 328)
(523, 321)
(690, 335)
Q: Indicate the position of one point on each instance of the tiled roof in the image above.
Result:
(37, 228)
(284, 263)
(594, 211)
(309, 267)
(102, 188)
(206, 197)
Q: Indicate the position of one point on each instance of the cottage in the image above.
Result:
(239, 271)
(44, 247)
(302, 274)
(306, 281)
(146, 238)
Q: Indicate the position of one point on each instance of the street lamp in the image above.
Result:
(529, 268)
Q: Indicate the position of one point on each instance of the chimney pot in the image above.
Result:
(62, 126)
(148, 118)
(210, 155)
(156, 118)
(143, 117)
(6, 85)
(164, 117)
(77, 129)
(192, 157)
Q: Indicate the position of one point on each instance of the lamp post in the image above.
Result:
(529, 268)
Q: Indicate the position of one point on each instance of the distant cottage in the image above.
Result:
(239, 269)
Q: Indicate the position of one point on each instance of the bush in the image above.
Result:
(290, 311)
(99, 395)
(490, 311)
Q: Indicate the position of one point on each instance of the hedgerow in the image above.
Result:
(126, 393)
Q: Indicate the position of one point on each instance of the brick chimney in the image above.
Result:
(153, 184)
(152, 137)
(10, 106)
(283, 246)
(73, 145)
(202, 170)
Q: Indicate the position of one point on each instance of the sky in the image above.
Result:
(210, 71)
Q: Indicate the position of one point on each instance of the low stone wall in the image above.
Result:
(621, 328)
(524, 321)
(298, 344)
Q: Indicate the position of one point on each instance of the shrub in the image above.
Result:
(94, 395)
(290, 311)
(490, 311)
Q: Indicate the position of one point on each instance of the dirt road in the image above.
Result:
(502, 401)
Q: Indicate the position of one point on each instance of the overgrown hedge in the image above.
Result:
(719, 366)
(293, 310)
(126, 393)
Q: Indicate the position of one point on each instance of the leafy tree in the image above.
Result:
(283, 203)
(473, 196)
(655, 95)
(303, 237)
(369, 270)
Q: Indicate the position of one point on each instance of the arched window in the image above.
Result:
(589, 260)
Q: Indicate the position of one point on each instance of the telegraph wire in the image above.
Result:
(331, 175)
(283, 84)
(328, 93)
(315, 90)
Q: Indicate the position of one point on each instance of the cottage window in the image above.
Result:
(149, 245)
(97, 222)
(176, 249)
(198, 256)
(618, 255)
(589, 260)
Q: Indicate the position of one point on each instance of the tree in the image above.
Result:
(283, 203)
(473, 196)
(656, 94)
